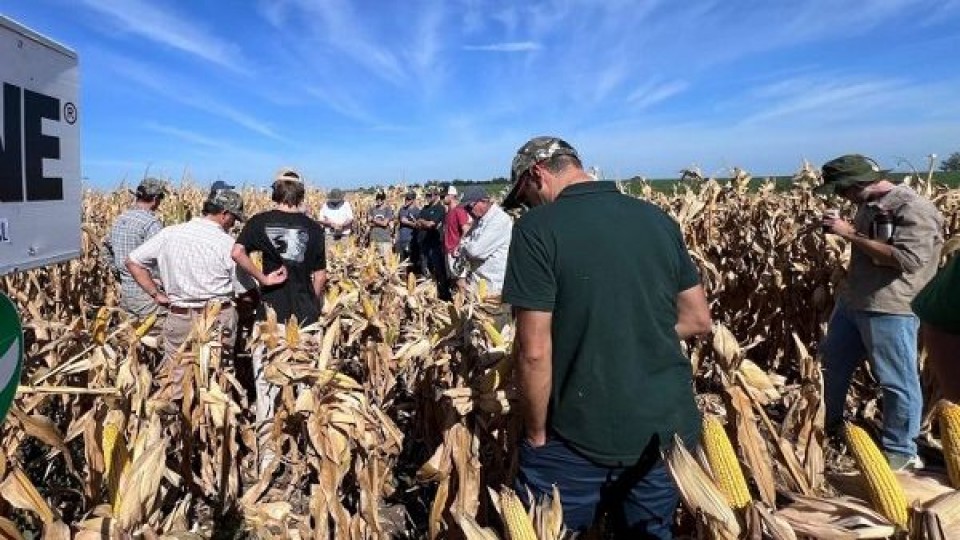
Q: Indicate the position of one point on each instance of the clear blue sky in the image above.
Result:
(371, 91)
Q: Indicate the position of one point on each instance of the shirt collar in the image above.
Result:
(589, 187)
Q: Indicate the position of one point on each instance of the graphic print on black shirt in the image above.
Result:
(295, 241)
(291, 242)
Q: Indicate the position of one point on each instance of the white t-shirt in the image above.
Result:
(337, 216)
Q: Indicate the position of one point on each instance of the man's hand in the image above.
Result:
(538, 439)
(276, 277)
(161, 299)
(838, 227)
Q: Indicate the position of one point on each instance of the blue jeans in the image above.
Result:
(639, 501)
(889, 343)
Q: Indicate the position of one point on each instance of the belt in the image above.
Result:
(182, 310)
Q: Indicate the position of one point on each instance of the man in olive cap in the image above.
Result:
(132, 228)
(336, 215)
(603, 290)
(195, 270)
(896, 237)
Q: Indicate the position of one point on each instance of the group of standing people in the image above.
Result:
(186, 268)
(603, 292)
(455, 240)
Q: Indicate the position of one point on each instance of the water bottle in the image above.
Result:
(883, 226)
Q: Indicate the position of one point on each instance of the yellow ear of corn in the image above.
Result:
(257, 258)
(146, 325)
(369, 311)
(950, 437)
(723, 463)
(886, 494)
(518, 522)
(494, 378)
(493, 335)
(100, 325)
(116, 460)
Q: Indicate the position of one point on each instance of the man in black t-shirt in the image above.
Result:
(430, 237)
(289, 240)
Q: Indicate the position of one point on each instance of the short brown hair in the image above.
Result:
(288, 192)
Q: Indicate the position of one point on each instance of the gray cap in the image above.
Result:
(229, 200)
(335, 195)
(532, 152)
(473, 194)
(151, 187)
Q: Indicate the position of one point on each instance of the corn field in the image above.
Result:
(395, 415)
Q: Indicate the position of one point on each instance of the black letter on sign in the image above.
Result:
(36, 107)
(11, 163)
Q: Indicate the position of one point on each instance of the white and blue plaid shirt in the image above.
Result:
(131, 229)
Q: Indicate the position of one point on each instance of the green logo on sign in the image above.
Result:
(11, 353)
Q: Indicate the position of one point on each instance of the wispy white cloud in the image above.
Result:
(510, 46)
(162, 83)
(651, 93)
(343, 104)
(170, 29)
(833, 97)
(334, 23)
(425, 53)
(189, 136)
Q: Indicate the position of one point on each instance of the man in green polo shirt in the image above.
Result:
(604, 291)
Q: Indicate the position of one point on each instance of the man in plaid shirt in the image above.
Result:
(132, 228)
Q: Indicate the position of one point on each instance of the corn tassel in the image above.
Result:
(146, 325)
(723, 463)
(518, 522)
(950, 437)
(886, 494)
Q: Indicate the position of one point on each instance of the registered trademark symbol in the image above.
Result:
(70, 113)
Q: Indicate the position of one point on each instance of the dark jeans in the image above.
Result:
(635, 502)
(435, 266)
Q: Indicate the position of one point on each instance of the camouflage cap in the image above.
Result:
(151, 187)
(229, 200)
(532, 152)
(849, 170)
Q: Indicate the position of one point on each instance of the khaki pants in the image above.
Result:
(383, 248)
(176, 330)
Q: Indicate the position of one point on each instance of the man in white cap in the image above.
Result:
(292, 246)
(455, 224)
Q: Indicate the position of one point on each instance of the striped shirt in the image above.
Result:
(193, 260)
(132, 228)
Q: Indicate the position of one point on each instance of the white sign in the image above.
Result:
(39, 150)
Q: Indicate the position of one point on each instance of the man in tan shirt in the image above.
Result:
(896, 237)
